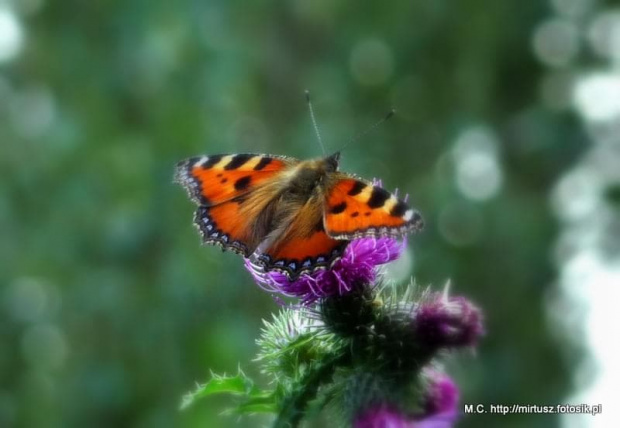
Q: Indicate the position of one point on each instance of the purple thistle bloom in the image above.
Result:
(443, 321)
(382, 417)
(442, 394)
(441, 408)
(385, 417)
(357, 266)
(440, 420)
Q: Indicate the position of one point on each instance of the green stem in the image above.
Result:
(294, 406)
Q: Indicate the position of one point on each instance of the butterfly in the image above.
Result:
(289, 215)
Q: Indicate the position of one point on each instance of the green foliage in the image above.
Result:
(292, 355)
(612, 194)
(253, 400)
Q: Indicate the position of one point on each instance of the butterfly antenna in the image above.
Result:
(372, 128)
(316, 127)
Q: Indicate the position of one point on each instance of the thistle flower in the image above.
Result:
(441, 321)
(440, 408)
(382, 417)
(385, 417)
(356, 268)
(285, 328)
(282, 343)
(442, 394)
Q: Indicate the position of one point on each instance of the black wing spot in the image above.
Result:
(378, 197)
(337, 209)
(237, 161)
(262, 164)
(355, 214)
(357, 188)
(399, 209)
(243, 183)
(223, 180)
(212, 160)
(367, 213)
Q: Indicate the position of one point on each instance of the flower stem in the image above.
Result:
(294, 406)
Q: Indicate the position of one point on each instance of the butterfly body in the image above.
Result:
(288, 215)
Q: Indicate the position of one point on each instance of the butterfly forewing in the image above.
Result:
(211, 180)
(231, 191)
(355, 208)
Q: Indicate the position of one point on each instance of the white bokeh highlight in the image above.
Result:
(604, 35)
(478, 172)
(11, 35)
(556, 42)
(597, 96)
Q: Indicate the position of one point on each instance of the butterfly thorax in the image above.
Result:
(309, 177)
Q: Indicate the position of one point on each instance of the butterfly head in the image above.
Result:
(331, 162)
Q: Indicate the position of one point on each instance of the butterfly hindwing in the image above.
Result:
(211, 180)
(355, 208)
(303, 255)
(303, 245)
(222, 225)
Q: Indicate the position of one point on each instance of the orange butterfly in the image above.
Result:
(288, 215)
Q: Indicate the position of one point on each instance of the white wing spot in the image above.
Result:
(408, 215)
(202, 161)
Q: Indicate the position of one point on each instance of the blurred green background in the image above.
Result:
(110, 310)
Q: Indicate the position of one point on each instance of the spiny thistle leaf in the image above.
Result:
(239, 385)
(268, 403)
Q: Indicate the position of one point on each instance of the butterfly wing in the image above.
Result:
(223, 225)
(301, 245)
(211, 180)
(355, 208)
(233, 192)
